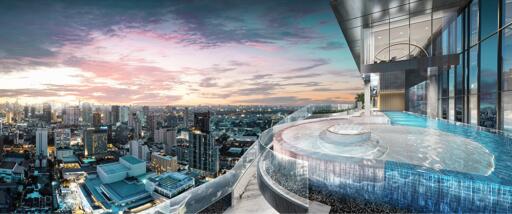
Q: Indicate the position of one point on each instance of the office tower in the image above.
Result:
(9, 117)
(41, 147)
(86, 113)
(62, 138)
(151, 123)
(95, 141)
(32, 111)
(96, 119)
(47, 113)
(124, 112)
(203, 154)
(145, 113)
(186, 117)
(135, 123)
(26, 112)
(71, 115)
(202, 121)
(139, 150)
(114, 114)
(171, 120)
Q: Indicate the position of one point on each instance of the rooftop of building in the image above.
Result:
(7, 165)
(131, 160)
(113, 168)
(170, 180)
(122, 190)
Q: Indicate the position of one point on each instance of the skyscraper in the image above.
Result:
(186, 117)
(203, 153)
(71, 115)
(202, 121)
(41, 147)
(62, 137)
(47, 113)
(95, 141)
(96, 119)
(86, 113)
(26, 112)
(115, 114)
(124, 112)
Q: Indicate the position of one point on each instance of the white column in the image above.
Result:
(432, 92)
(367, 96)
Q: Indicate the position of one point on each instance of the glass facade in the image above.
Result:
(470, 47)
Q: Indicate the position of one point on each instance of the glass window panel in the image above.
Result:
(488, 17)
(420, 34)
(473, 109)
(473, 70)
(458, 33)
(487, 115)
(444, 108)
(459, 108)
(506, 53)
(380, 43)
(507, 12)
(437, 24)
(459, 78)
(506, 98)
(473, 22)
(451, 81)
(489, 65)
(399, 40)
(444, 83)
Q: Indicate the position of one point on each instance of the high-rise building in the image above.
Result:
(444, 59)
(47, 113)
(186, 117)
(202, 121)
(32, 111)
(151, 123)
(171, 120)
(124, 112)
(71, 115)
(95, 141)
(114, 114)
(62, 138)
(203, 154)
(96, 119)
(86, 113)
(135, 123)
(139, 150)
(42, 142)
(41, 157)
(26, 112)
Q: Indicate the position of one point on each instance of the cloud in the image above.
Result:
(332, 45)
(208, 82)
(316, 63)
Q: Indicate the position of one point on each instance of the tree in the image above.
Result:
(359, 97)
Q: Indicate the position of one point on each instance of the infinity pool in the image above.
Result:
(414, 163)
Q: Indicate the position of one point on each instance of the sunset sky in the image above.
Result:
(174, 52)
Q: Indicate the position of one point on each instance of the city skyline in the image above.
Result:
(171, 53)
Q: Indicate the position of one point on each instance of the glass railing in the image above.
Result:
(282, 170)
(289, 176)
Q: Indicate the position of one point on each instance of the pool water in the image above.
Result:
(430, 166)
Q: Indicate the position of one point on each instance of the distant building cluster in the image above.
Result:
(98, 158)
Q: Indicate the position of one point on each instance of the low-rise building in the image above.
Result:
(161, 163)
(169, 184)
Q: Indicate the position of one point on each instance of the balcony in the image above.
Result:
(349, 162)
